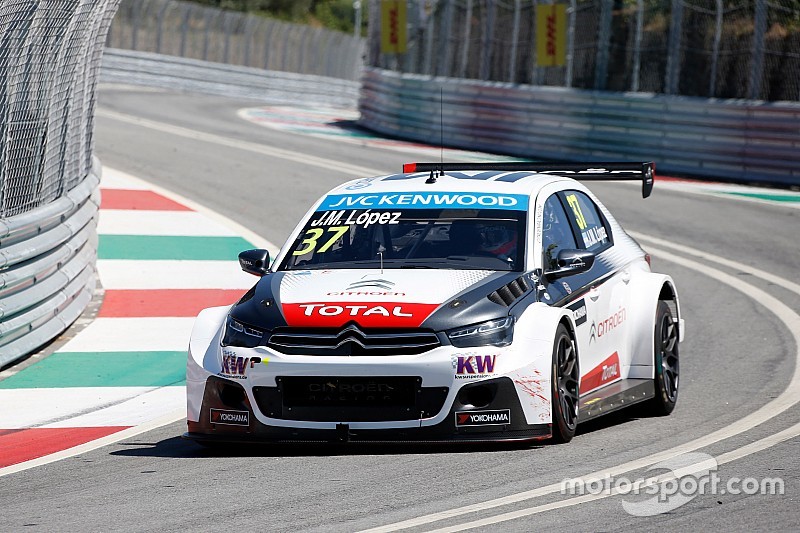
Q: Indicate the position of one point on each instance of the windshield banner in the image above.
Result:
(425, 200)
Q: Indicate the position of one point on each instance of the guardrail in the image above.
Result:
(209, 33)
(195, 75)
(733, 140)
(47, 268)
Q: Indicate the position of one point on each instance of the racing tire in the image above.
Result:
(666, 362)
(564, 386)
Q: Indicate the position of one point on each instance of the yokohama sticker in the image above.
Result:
(500, 417)
(230, 418)
(578, 311)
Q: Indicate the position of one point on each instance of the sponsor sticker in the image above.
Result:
(471, 365)
(598, 329)
(578, 311)
(499, 417)
(235, 367)
(602, 374)
(364, 219)
(230, 418)
(425, 200)
(366, 314)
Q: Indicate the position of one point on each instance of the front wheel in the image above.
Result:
(667, 367)
(564, 385)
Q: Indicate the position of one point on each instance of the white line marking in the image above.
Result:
(116, 274)
(95, 444)
(136, 334)
(789, 397)
(251, 236)
(168, 223)
(306, 159)
(744, 451)
(767, 276)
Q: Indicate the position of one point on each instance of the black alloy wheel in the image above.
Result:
(667, 364)
(565, 377)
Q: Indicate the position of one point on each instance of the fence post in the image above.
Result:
(462, 69)
(137, 15)
(207, 35)
(185, 27)
(443, 63)
(512, 63)
(160, 25)
(757, 58)
(671, 77)
(249, 22)
(429, 31)
(573, 8)
(603, 42)
(637, 50)
(712, 83)
(487, 38)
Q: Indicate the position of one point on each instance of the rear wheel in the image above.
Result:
(667, 364)
(564, 386)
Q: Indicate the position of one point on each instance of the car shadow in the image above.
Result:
(615, 419)
(179, 448)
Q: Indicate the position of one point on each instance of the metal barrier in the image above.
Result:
(210, 34)
(193, 75)
(47, 272)
(48, 178)
(731, 49)
(733, 140)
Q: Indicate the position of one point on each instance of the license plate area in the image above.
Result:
(350, 391)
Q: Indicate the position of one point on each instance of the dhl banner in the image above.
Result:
(551, 35)
(393, 27)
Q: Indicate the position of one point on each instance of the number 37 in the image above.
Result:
(312, 239)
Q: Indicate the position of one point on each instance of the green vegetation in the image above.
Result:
(332, 14)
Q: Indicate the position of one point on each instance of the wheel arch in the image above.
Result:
(649, 289)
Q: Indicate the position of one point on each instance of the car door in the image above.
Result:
(572, 291)
(607, 290)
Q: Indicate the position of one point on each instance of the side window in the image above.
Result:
(556, 232)
(592, 230)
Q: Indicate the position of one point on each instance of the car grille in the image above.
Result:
(352, 341)
(350, 398)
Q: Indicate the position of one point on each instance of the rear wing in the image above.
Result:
(645, 172)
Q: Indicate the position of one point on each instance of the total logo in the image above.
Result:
(610, 372)
(353, 310)
(366, 314)
(470, 365)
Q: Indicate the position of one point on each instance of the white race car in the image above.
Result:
(452, 302)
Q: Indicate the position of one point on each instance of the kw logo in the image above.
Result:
(236, 366)
(474, 365)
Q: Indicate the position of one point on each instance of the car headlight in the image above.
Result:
(499, 332)
(241, 334)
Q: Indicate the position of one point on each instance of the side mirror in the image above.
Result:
(571, 262)
(255, 262)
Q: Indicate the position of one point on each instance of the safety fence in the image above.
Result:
(193, 75)
(732, 140)
(188, 30)
(712, 48)
(48, 178)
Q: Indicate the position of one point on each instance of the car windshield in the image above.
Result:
(470, 239)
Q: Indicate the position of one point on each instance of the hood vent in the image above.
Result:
(510, 292)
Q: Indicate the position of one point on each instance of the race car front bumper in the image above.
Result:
(229, 416)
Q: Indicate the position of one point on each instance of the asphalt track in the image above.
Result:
(738, 359)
